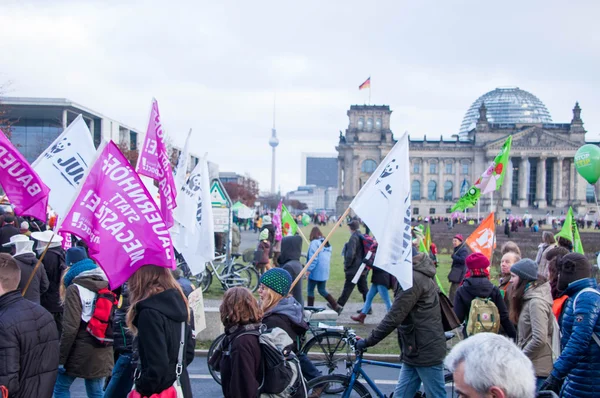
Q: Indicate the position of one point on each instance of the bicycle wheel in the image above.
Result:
(337, 383)
(204, 279)
(213, 372)
(329, 345)
(248, 273)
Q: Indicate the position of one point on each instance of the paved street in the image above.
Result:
(204, 386)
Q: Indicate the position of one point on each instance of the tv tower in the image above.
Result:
(273, 141)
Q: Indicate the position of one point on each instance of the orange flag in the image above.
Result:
(483, 239)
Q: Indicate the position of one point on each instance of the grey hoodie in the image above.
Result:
(535, 328)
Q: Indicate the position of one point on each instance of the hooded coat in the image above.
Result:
(158, 320)
(289, 260)
(417, 315)
(354, 253)
(287, 315)
(39, 284)
(28, 347)
(80, 352)
(535, 328)
(480, 286)
(55, 265)
(319, 269)
(579, 361)
(240, 364)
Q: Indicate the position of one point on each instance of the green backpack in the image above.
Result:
(483, 317)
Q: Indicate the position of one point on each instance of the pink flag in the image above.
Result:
(118, 219)
(154, 162)
(25, 189)
(277, 223)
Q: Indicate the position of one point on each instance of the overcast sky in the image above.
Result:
(215, 66)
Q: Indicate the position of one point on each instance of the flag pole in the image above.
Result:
(303, 236)
(337, 224)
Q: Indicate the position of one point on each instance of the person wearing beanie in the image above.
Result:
(289, 260)
(531, 311)
(80, 354)
(26, 260)
(577, 371)
(283, 311)
(8, 230)
(458, 270)
(261, 256)
(268, 226)
(478, 284)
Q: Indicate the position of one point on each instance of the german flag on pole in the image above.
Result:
(366, 84)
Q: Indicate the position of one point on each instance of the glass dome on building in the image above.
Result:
(506, 105)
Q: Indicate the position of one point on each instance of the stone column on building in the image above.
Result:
(424, 178)
(558, 188)
(64, 119)
(523, 182)
(456, 186)
(440, 186)
(581, 188)
(340, 176)
(541, 183)
(507, 185)
(571, 182)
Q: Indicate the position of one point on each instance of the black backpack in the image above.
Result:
(281, 372)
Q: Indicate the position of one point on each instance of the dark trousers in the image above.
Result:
(363, 288)
(309, 370)
(58, 318)
(453, 288)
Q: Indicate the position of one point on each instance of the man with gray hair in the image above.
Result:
(490, 365)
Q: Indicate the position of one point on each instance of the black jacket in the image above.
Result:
(28, 347)
(482, 287)
(353, 254)
(158, 319)
(123, 339)
(6, 232)
(271, 229)
(459, 267)
(381, 277)
(54, 264)
(241, 372)
(39, 283)
(417, 315)
(289, 260)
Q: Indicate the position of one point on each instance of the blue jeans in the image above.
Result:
(411, 377)
(319, 285)
(93, 387)
(383, 292)
(121, 380)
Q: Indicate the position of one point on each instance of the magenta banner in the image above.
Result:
(154, 162)
(23, 186)
(116, 216)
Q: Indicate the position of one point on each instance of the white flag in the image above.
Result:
(63, 164)
(383, 203)
(185, 201)
(197, 244)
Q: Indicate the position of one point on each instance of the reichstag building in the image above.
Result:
(541, 176)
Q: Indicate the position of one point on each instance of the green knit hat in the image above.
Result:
(264, 234)
(278, 280)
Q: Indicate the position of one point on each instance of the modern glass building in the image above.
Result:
(506, 105)
(320, 170)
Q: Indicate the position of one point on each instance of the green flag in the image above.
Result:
(288, 224)
(428, 237)
(570, 232)
(490, 181)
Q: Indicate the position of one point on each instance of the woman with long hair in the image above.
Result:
(548, 242)
(239, 357)
(531, 311)
(318, 272)
(157, 309)
(81, 355)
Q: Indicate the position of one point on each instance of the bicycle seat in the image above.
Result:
(235, 256)
(314, 309)
(449, 335)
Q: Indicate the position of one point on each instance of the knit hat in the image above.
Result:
(477, 261)
(573, 267)
(266, 220)
(459, 237)
(264, 234)
(525, 269)
(75, 255)
(278, 280)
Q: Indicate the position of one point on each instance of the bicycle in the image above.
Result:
(229, 274)
(349, 384)
(327, 343)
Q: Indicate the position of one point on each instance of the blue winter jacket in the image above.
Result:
(579, 361)
(319, 269)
